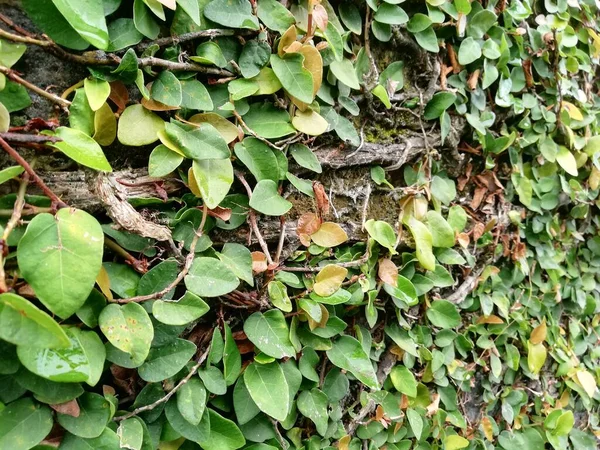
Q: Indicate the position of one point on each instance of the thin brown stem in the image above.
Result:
(174, 40)
(56, 201)
(169, 394)
(281, 240)
(182, 66)
(189, 259)
(355, 263)
(12, 75)
(252, 220)
(139, 266)
(253, 133)
(10, 226)
(29, 138)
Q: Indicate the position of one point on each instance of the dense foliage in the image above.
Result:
(472, 322)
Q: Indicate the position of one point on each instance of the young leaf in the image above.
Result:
(404, 381)
(213, 178)
(81, 148)
(423, 242)
(96, 91)
(383, 233)
(138, 126)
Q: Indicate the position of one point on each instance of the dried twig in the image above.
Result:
(357, 262)
(29, 138)
(281, 240)
(169, 394)
(189, 259)
(186, 37)
(56, 201)
(12, 75)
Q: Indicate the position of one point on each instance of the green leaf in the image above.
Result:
(274, 15)
(428, 40)
(81, 115)
(351, 17)
(163, 161)
(416, 422)
(255, 55)
(268, 121)
(423, 242)
(279, 296)
(439, 103)
(192, 9)
(564, 424)
(419, 22)
(131, 433)
(144, 20)
(195, 96)
(193, 432)
(209, 53)
(47, 391)
(469, 51)
(224, 434)
(213, 379)
(213, 178)
(49, 19)
(14, 97)
(305, 157)
(191, 401)
(443, 314)
(25, 325)
(344, 72)
(259, 158)
(127, 71)
(201, 143)
(167, 89)
(242, 88)
(404, 381)
(83, 360)
(4, 120)
(81, 148)
(536, 357)
(294, 78)
(108, 440)
(122, 33)
(380, 92)
(347, 354)
(239, 260)
(390, 14)
(165, 361)
(232, 360)
(313, 404)
(23, 424)
(87, 18)
(231, 13)
(96, 91)
(441, 232)
(480, 23)
(270, 334)
(268, 388)
(383, 233)
(60, 257)
(210, 277)
(138, 126)
(244, 406)
(93, 418)
(266, 199)
(185, 310)
(303, 185)
(128, 328)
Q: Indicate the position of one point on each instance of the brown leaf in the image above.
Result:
(463, 239)
(259, 262)
(70, 408)
(478, 231)
(473, 79)
(322, 199)
(434, 405)
(108, 390)
(478, 195)
(388, 272)
(490, 181)
(344, 443)
(491, 319)
(119, 95)
(539, 333)
(286, 40)
(294, 47)
(320, 17)
(308, 223)
(488, 430)
(220, 213)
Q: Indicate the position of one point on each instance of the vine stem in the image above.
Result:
(189, 259)
(252, 220)
(12, 75)
(253, 133)
(169, 394)
(10, 226)
(29, 138)
(358, 262)
(56, 201)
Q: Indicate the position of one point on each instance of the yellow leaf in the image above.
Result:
(538, 335)
(343, 443)
(103, 282)
(329, 234)
(536, 357)
(587, 381)
(105, 125)
(192, 183)
(226, 129)
(310, 122)
(595, 43)
(314, 64)
(491, 319)
(164, 139)
(488, 430)
(329, 280)
(455, 442)
(286, 40)
(566, 160)
(573, 111)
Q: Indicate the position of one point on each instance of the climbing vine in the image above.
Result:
(242, 290)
